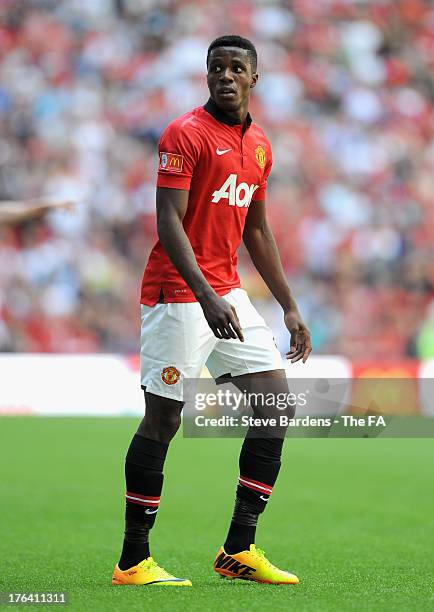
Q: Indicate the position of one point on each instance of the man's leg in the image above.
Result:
(175, 343)
(259, 467)
(144, 475)
(259, 459)
(261, 450)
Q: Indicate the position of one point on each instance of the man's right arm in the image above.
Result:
(171, 209)
(24, 210)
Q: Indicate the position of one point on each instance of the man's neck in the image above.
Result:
(238, 117)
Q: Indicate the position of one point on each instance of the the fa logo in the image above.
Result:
(239, 195)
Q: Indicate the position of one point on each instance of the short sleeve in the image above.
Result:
(259, 194)
(178, 150)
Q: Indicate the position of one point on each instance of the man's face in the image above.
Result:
(230, 77)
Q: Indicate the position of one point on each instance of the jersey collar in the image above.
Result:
(218, 114)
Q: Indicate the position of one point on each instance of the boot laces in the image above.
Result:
(151, 564)
(261, 554)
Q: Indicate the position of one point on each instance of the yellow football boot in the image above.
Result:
(252, 565)
(147, 573)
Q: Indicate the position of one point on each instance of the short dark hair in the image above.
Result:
(232, 40)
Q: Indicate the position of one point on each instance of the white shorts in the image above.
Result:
(176, 342)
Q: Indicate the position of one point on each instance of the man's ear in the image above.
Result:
(255, 78)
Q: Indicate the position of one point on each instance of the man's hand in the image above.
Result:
(221, 317)
(301, 346)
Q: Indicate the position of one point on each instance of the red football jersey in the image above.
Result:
(206, 152)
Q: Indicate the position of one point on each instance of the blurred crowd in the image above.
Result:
(345, 95)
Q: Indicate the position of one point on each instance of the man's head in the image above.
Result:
(231, 62)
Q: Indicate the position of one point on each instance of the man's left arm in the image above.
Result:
(262, 248)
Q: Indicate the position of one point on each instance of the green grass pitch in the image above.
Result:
(352, 517)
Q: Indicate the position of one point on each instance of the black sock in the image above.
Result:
(136, 541)
(144, 480)
(259, 468)
(242, 529)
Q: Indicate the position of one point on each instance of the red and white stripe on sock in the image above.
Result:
(142, 500)
(258, 487)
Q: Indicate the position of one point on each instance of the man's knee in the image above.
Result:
(270, 400)
(162, 418)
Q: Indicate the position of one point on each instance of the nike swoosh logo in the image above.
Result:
(147, 511)
(264, 498)
(222, 152)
